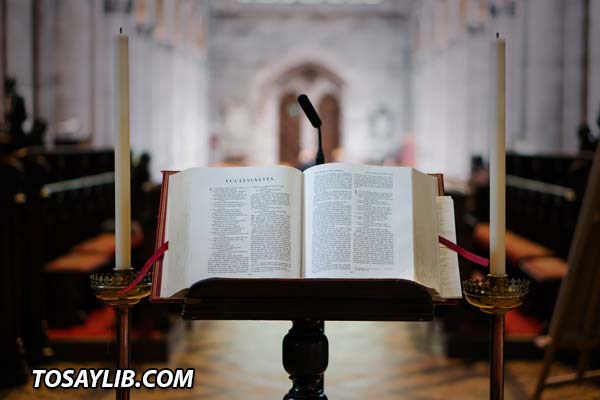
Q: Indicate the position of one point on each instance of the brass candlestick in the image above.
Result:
(107, 287)
(496, 295)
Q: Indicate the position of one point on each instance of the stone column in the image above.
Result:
(2, 58)
(594, 67)
(73, 63)
(45, 70)
(19, 48)
(544, 103)
(572, 74)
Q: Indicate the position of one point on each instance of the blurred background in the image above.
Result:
(405, 82)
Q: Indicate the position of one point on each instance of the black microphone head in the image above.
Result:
(309, 110)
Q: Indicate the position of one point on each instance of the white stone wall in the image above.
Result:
(73, 61)
(250, 52)
(168, 85)
(76, 73)
(201, 68)
(452, 93)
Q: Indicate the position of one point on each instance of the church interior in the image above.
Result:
(215, 83)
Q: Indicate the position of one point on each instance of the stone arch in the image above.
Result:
(293, 75)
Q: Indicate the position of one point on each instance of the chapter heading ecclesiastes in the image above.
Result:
(250, 180)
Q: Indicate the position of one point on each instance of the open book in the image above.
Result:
(330, 221)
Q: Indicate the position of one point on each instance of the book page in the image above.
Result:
(425, 230)
(177, 233)
(355, 222)
(243, 222)
(449, 272)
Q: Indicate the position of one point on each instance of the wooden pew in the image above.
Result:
(36, 173)
(77, 209)
(544, 194)
(80, 327)
(79, 241)
(54, 208)
(13, 368)
(74, 162)
(543, 199)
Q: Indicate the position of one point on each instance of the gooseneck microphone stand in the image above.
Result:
(320, 158)
(304, 331)
(314, 119)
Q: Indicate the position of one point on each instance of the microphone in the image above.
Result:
(309, 110)
(314, 119)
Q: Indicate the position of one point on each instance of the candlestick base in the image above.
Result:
(107, 287)
(496, 294)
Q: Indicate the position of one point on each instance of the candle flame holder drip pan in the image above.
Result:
(495, 294)
(107, 287)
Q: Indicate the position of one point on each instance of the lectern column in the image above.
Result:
(305, 358)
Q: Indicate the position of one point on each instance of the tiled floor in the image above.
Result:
(368, 360)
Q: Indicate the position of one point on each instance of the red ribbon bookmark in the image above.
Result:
(464, 253)
(144, 271)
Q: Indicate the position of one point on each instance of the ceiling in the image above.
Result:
(389, 7)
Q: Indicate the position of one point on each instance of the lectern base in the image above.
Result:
(307, 303)
(305, 358)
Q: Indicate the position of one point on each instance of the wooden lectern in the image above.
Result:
(308, 303)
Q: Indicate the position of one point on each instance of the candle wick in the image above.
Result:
(497, 35)
(121, 31)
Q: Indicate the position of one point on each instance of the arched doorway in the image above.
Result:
(289, 129)
(286, 132)
(329, 111)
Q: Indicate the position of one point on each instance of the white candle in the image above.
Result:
(122, 161)
(497, 168)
